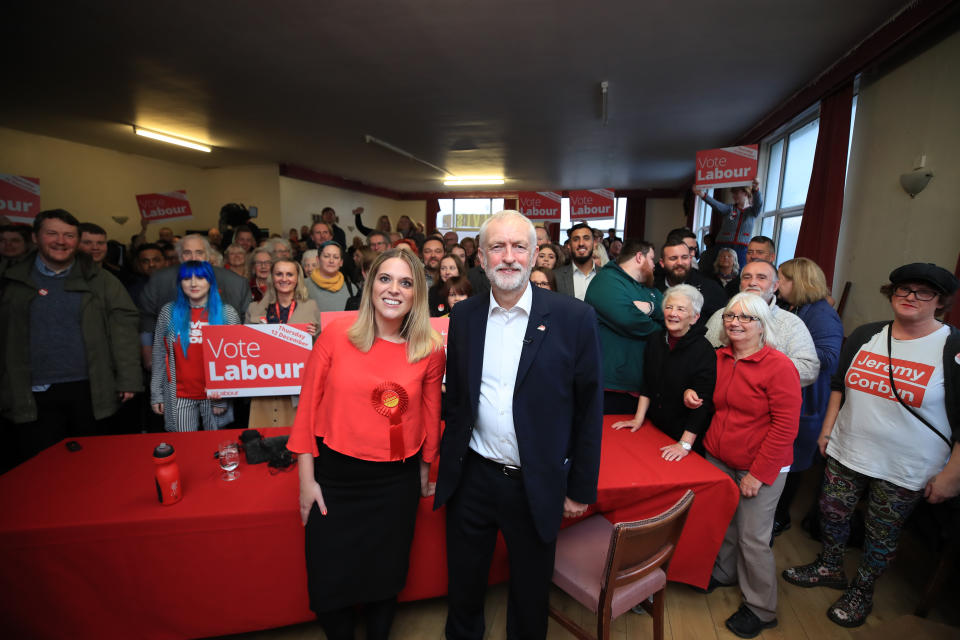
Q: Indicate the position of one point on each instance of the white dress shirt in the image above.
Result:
(494, 437)
(581, 281)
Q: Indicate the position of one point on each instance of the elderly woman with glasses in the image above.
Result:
(757, 400)
(677, 362)
(890, 430)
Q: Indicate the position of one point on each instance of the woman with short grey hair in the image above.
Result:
(677, 362)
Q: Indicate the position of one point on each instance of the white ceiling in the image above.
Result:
(493, 86)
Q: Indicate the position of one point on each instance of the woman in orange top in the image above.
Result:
(366, 431)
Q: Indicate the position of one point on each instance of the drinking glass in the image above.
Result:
(228, 454)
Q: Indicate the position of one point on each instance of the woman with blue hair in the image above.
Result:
(177, 387)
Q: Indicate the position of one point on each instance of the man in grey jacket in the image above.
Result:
(761, 278)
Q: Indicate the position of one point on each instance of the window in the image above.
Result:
(617, 222)
(465, 215)
(702, 217)
(788, 163)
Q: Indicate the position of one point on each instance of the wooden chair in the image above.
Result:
(611, 568)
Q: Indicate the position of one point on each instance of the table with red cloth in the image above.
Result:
(86, 550)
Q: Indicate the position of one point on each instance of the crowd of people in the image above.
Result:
(731, 355)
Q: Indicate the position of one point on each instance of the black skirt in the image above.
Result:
(360, 551)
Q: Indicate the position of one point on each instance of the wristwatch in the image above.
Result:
(686, 445)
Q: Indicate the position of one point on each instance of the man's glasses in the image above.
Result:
(923, 295)
(743, 319)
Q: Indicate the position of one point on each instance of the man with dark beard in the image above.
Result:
(628, 310)
(574, 278)
(676, 260)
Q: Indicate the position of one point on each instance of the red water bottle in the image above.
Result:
(169, 490)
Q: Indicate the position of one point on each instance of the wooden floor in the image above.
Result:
(694, 616)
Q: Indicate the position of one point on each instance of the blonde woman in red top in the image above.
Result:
(366, 431)
(757, 400)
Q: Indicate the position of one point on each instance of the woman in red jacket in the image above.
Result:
(757, 400)
(366, 430)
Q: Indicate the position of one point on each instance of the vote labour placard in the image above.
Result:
(869, 373)
(255, 359)
(590, 204)
(540, 205)
(164, 206)
(19, 198)
(728, 167)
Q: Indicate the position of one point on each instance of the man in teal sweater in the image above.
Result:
(628, 310)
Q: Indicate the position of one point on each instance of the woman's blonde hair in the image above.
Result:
(300, 293)
(421, 339)
(809, 283)
(753, 305)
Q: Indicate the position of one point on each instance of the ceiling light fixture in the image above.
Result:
(146, 133)
(463, 181)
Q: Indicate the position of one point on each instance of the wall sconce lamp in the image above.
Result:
(913, 182)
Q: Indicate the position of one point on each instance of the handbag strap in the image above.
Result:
(896, 392)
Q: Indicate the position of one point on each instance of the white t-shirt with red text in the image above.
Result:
(874, 434)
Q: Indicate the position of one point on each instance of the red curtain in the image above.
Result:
(636, 222)
(433, 208)
(820, 228)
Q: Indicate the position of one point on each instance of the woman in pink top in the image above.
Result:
(366, 431)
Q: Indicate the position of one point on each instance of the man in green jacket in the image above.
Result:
(70, 345)
(628, 310)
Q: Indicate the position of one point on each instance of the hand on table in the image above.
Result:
(633, 423)
(573, 509)
(309, 495)
(749, 486)
(691, 400)
(673, 452)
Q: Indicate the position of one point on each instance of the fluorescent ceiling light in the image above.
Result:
(165, 138)
(472, 180)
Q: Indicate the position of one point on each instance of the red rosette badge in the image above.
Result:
(390, 400)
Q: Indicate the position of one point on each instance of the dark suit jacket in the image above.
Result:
(557, 402)
(162, 288)
(564, 275)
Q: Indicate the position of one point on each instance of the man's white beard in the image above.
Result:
(507, 282)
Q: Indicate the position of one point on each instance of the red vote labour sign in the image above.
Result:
(164, 206)
(591, 204)
(255, 359)
(540, 205)
(19, 198)
(728, 167)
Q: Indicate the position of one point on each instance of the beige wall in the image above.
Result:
(663, 214)
(300, 199)
(96, 184)
(912, 110)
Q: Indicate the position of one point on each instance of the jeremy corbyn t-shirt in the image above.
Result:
(874, 434)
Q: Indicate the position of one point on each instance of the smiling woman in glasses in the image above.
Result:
(891, 424)
(757, 400)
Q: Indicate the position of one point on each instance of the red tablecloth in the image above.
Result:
(87, 551)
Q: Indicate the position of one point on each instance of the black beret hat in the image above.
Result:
(925, 272)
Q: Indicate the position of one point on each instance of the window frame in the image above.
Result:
(778, 214)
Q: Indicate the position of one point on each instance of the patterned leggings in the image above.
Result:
(889, 507)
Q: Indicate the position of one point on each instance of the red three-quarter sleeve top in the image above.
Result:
(372, 406)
